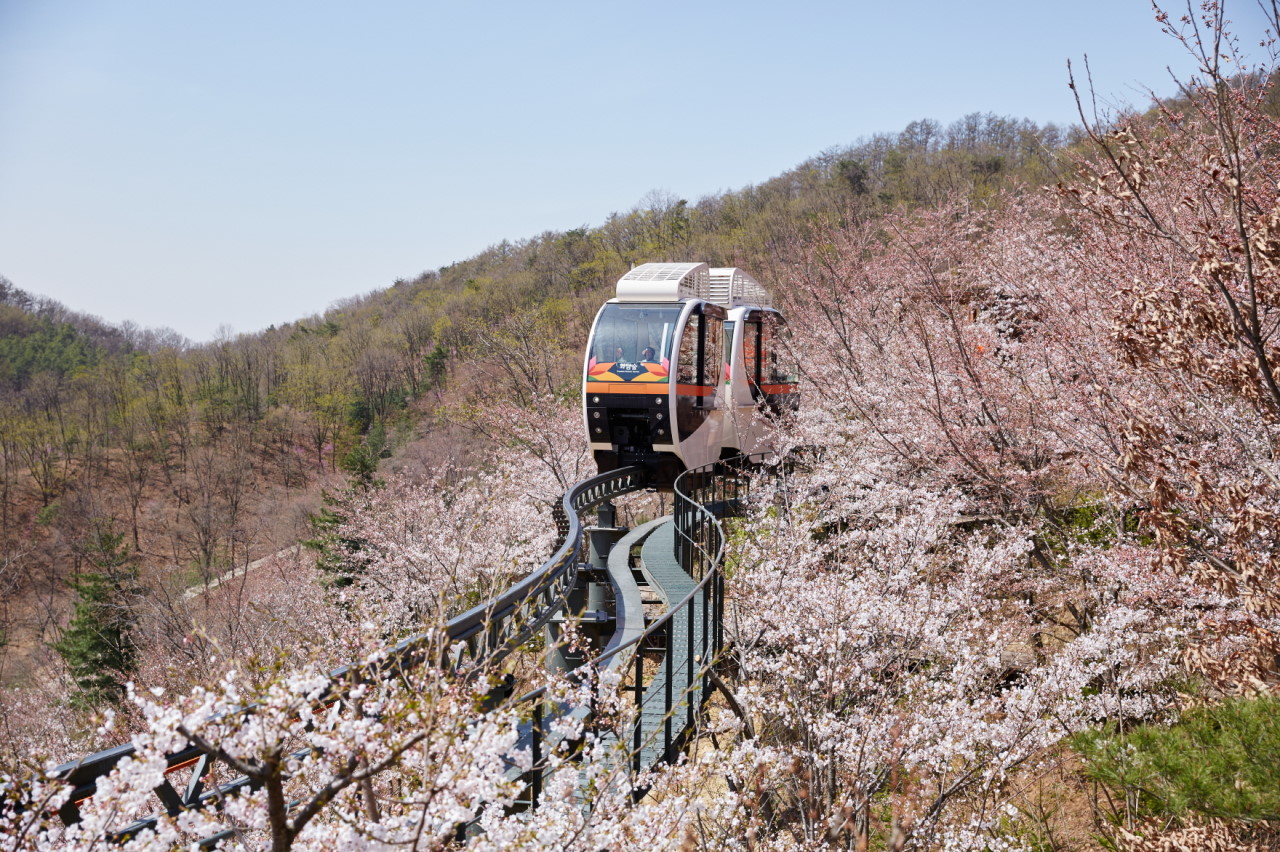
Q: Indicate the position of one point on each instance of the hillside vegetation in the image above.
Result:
(207, 456)
(1026, 547)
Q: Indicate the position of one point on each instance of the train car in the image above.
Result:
(681, 367)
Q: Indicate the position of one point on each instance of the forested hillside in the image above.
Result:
(1015, 588)
(207, 456)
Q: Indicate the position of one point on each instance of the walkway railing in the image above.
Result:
(688, 639)
(689, 636)
(487, 632)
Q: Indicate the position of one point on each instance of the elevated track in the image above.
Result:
(593, 578)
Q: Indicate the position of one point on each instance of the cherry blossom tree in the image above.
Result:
(394, 761)
(887, 654)
(1033, 479)
(1177, 221)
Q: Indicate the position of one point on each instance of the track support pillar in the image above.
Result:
(590, 603)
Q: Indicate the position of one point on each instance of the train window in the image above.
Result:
(687, 364)
(623, 332)
(728, 350)
(776, 367)
(751, 355)
(713, 363)
(701, 351)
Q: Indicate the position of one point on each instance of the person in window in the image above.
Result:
(649, 355)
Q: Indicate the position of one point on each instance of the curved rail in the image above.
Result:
(690, 635)
(488, 632)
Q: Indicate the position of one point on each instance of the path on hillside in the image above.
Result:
(236, 573)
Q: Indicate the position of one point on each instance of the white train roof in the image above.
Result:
(732, 287)
(669, 282)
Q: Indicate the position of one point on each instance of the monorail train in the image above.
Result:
(680, 369)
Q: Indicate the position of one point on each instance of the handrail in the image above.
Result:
(692, 505)
(493, 629)
(700, 542)
(489, 631)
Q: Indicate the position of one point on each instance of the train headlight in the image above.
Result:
(657, 400)
(662, 431)
(599, 431)
(658, 415)
(595, 400)
(595, 415)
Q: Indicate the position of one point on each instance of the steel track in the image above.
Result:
(493, 629)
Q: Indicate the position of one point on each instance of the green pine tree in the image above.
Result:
(361, 461)
(97, 644)
(338, 556)
(1220, 762)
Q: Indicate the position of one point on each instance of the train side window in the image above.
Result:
(687, 365)
(751, 355)
(775, 365)
(728, 342)
(713, 363)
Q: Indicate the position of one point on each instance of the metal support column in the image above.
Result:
(588, 602)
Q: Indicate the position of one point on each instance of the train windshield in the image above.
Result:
(635, 333)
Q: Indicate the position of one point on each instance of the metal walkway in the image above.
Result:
(674, 694)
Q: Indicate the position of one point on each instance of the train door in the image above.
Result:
(775, 378)
(735, 382)
(766, 385)
(750, 428)
(742, 333)
(699, 374)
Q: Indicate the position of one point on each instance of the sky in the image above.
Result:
(221, 167)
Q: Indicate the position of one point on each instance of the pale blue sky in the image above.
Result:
(238, 163)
